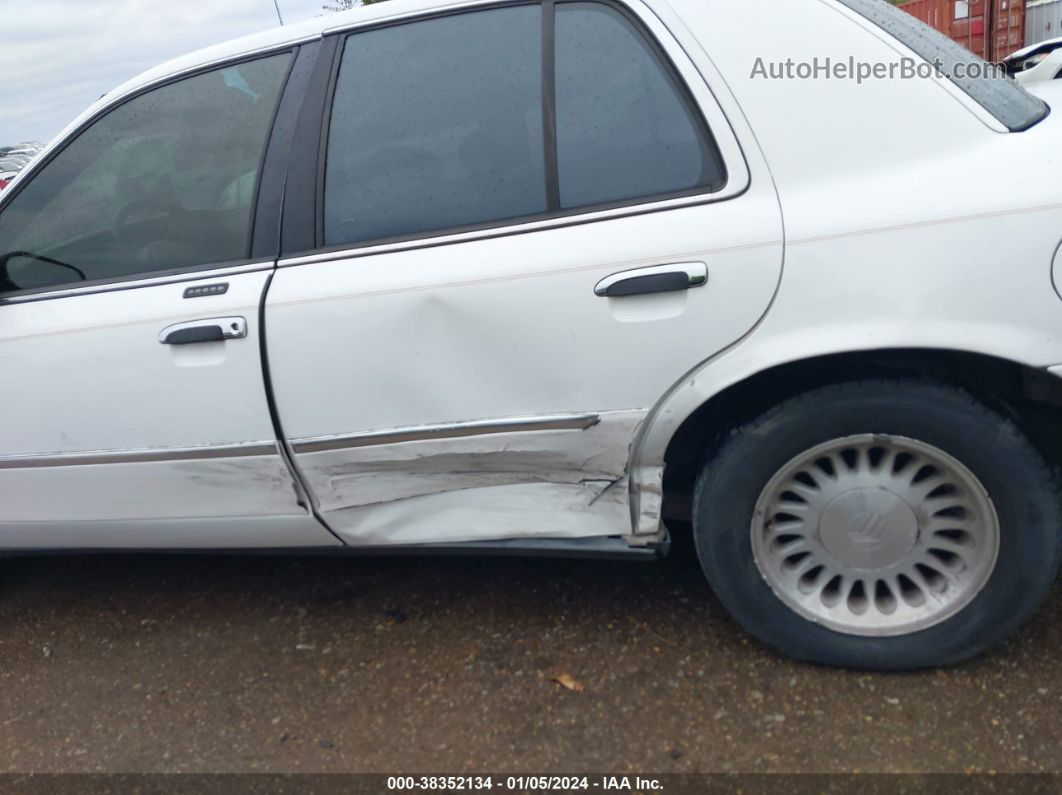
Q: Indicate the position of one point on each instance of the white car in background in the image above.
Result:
(1036, 64)
(530, 277)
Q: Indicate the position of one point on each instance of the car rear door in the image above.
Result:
(133, 411)
(524, 225)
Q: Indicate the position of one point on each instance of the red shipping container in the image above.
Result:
(992, 29)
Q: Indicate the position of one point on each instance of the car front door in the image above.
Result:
(132, 406)
(533, 220)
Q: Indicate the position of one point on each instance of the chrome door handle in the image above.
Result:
(213, 330)
(657, 279)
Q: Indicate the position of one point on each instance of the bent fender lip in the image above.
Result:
(572, 422)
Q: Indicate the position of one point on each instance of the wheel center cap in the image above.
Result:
(868, 528)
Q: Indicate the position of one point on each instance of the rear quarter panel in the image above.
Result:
(909, 221)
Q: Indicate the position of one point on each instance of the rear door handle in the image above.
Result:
(657, 279)
(214, 330)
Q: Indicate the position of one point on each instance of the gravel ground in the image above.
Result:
(294, 664)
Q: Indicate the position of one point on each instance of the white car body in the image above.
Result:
(471, 386)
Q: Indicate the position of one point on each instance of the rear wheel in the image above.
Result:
(879, 525)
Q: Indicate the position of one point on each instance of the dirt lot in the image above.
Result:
(235, 664)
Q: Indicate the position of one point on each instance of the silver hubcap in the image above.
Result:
(875, 535)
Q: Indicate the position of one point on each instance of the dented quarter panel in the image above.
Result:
(892, 240)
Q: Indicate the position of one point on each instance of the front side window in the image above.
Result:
(460, 121)
(165, 181)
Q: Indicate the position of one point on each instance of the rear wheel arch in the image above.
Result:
(1028, 396)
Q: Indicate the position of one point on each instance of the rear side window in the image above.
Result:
(165, 181)
(625, 129)
(509, 113)
(1015, 107)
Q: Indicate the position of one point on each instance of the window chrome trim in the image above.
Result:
(502, 229)
(247, 450)
(459, 430)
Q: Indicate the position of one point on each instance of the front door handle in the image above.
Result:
(657, 279)
(214, 330)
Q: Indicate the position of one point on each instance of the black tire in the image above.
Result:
(1020, 482)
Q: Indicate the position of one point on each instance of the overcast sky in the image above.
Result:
(58, 56)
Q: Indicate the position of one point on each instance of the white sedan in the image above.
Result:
(532, 277)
